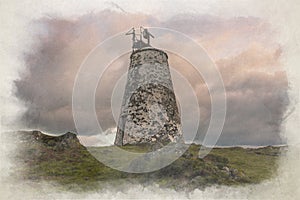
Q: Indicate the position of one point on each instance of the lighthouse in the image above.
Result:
(149, 111)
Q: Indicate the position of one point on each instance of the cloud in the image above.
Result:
(245, 52)
(257, 98)
(106, 138)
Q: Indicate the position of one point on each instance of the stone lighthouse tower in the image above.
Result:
(149, 112)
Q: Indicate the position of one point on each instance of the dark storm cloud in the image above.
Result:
(246, 54)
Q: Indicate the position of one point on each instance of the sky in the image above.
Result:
(18, 37)
(244, 49)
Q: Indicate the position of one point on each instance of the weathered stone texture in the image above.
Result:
(149, 112)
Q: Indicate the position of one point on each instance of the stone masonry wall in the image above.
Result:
(149, 112)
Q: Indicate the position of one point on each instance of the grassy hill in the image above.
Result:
(64, 160)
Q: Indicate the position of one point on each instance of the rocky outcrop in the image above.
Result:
(61, 142)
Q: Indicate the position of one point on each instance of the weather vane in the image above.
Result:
(139, 43)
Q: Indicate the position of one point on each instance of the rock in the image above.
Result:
(60, 142)
(226, 169)
(234, 173)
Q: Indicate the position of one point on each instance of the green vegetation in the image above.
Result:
(64, 160)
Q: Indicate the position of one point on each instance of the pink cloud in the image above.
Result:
(244, 49)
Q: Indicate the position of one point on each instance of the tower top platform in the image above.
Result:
(148, 49)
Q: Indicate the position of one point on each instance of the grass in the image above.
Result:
(74, 165)
(257, 164)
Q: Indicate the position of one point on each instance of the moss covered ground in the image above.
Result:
(68, 163)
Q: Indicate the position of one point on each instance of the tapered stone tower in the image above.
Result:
(149, 112)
